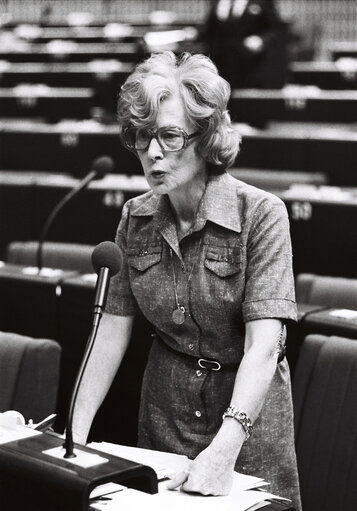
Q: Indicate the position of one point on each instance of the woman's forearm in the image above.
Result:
(108, 351)
(252, 382)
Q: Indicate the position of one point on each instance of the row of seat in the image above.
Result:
(326, 75)
(320, 218)
(246, 105)
(71, 147)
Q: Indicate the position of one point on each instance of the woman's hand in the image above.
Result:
(210, 473)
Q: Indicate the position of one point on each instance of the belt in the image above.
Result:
(203, 363)
(209, 364)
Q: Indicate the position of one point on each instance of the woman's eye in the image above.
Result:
(170, 135)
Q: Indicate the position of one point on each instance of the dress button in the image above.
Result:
(198, 413)
(191, 346)
(199, 372)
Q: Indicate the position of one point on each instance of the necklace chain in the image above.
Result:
(180, 308)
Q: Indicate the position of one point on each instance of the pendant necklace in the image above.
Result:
(179, 312)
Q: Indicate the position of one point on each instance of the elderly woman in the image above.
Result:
(207, 260)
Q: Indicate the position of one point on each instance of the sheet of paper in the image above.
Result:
(106, 489)
(243, 495)
(178, 501)
(166, 464)
(20, 432)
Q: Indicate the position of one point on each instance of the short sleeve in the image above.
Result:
(121, 301)
(270, 290)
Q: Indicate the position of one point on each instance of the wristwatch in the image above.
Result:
(242, 418)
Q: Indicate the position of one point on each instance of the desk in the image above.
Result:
(77, 52)
(96, 34)
(51, 103)
(321, 218)
(72, 146)
(29, 302)
(343, 49)
(65, 74)
(105, 77)
(323, 230)
(333, 321)
(26, 200)
(326, 75)
(252, 106)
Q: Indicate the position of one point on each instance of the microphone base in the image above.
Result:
(79, 457)
(30, 478)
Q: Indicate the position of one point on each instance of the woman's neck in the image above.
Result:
(185, 204)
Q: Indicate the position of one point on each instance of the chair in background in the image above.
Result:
(326, 291)
(325, 395)
(66, 256)
(29, 375)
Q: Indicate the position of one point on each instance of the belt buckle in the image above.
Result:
(213, 365)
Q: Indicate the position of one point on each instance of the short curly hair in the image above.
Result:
(205, 96)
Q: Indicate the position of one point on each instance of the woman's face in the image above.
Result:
(170, 172)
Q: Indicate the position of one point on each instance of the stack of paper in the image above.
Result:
(246, 493)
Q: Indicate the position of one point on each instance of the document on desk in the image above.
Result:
(10, 430)
(243, 496)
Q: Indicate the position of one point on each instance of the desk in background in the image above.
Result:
(326, 75)
(342, 49)
(51, 103)
(74, 52)
(72, 146)
(29, 302)
(322, 219)
(322, 226)
(299, 104)
(105, 77)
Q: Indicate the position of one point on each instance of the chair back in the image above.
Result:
(325, 396)
(327, 291)
(29, 375)
(66, 256)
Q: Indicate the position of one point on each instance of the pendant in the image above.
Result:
(179, 315)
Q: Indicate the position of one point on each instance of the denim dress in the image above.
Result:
(233, 266)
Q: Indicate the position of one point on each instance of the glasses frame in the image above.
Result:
(155, 134)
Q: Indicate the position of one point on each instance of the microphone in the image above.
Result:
(49, 473)
(107, 260)
(100, 167)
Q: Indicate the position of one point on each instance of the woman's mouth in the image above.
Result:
(157, 174)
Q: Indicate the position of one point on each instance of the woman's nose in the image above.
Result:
(154, 149)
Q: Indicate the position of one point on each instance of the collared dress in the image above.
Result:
(233, 266)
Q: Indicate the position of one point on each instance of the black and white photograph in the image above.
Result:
(178, 255)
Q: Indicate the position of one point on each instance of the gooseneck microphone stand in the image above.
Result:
(103, 277)
(54, 213)
(100, 167)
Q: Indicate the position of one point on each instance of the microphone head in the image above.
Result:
(102, 165)
(107, 255)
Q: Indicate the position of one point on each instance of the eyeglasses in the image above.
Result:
(169, 138)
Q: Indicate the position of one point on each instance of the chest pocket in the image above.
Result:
(142, 258)
(223, 261)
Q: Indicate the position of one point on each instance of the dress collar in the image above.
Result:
(218, 205)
